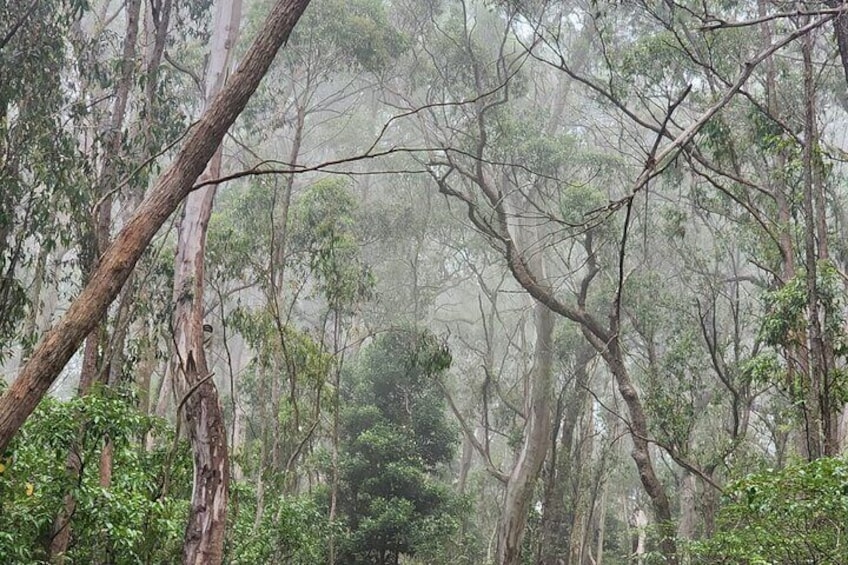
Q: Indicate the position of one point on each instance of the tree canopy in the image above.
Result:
(452, 281)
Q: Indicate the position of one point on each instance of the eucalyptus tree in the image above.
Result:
(780, 181)
(485, 78)
(118, 260)
(204, 541)
(771, 174)
(752, 149)
(492, 180)
(56, 348)
(95, 240)
(457, 60)
(292, 289)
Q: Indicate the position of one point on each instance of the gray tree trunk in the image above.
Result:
(204, 416)
(522, 479)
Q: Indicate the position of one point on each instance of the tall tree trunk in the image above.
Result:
(537, 429)
(583, 496)
(639, 525)
(277, 272)
(204, 415)
(59, 344)
(334, 454)
(821, 438)
(641, 453)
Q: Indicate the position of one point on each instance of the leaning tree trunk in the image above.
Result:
(204, 416)
(57, 347)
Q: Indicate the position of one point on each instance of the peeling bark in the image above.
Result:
(204, 415)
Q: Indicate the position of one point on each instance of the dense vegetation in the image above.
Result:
(463, 282)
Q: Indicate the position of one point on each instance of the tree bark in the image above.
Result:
(688, 510)
(59, 344)
(204, 415)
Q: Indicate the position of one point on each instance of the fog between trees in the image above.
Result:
(375, 282)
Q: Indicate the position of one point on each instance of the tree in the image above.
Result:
(59, 344)
(43, 184)
(204, 540)
(394, 438)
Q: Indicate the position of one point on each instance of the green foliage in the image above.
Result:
(356, 33)
(293, 530)
(764, 367)
(670, 392)
(41, 173)
(717, 136)
(325, 228)
(304, 355)
(786, 324)
(522, 138)
(286, 359)
(235, 247)
(655, 62)
(785, 308)
(394, 438)
(797, 515)
(578, 202)
(130, 521)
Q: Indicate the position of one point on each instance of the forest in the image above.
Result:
(448, 282)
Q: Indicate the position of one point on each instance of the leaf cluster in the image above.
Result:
(783, 517)
(395, 435)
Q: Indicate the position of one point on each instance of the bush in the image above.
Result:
(792, 516)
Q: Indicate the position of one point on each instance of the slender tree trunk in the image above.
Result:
(602, 523)
(334, 480)
(522, 479)
(204, 416)
(264, 426)
(688, 517)
(583, 497)
(238, 363)
(464, 464)
(277, 271)
(820, 436)
(840, 29)
(197, 392)
(144, 373)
